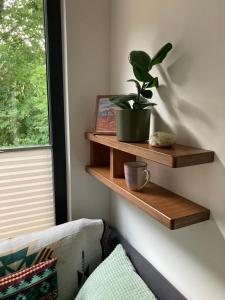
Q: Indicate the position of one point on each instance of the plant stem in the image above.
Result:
(142, 89)
(139, 93)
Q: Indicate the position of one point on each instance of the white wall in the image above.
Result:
(86, 68)
(191, 103)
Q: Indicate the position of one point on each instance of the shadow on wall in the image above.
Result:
(200, 250)
(174, 104)
(207, 184)
(195, 242)
(174, 70)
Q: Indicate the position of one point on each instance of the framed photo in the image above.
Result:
(105, 116)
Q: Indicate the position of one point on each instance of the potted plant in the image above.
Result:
(133, 117)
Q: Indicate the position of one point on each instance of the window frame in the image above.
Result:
(53, 37)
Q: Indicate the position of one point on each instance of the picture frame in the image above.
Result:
(105, 116)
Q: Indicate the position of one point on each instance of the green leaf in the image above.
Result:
(140, 59)
(153, 83)
(123, 100)
(138, 86)
(136, 106)
(143, 105)
(142, 75)
(124, 105)
(116, 101)
(141, 99)
(147, 94)
(161, 54)
(23, 90)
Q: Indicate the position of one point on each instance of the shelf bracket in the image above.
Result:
(117, 160)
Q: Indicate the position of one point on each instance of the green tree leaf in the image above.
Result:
(23, 87)
(138, 86)
(147, 94)
(125, 105)
(123, 100)
(142, 75)
(140, 59)
(153, 83)
(161, 54)
(143, 105)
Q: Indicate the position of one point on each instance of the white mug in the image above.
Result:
(136, 175)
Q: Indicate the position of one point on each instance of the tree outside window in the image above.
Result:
(23, 86)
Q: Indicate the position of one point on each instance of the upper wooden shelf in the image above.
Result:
(174, 157)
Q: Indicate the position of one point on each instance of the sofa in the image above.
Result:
(80, 246)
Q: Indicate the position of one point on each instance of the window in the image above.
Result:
(32, 139)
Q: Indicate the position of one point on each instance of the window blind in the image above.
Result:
(26, 192)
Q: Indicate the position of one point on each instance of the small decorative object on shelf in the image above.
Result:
(137, 175)
(133, 117)
(162, 139)
(105, 116)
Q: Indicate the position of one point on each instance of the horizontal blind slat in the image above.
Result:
(23, 219)
(21, 153)
(35, 191)
(24, 161)
(22, 187)
(24, 167)
(27, 226)
(24, 180)
(27, 230)
(24, 174)
(31, 200)
(25, 210)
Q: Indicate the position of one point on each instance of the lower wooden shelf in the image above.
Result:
(171, 210)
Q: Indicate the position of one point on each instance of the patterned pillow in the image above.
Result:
(38, 282)
(24, 257)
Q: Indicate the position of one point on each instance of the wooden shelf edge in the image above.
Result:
(197, 213)
(176, 157)
(191, 220)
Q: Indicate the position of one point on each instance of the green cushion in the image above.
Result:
(115, 278)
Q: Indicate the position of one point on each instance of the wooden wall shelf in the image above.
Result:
(107, 158)
(169, 209)
(175, 157)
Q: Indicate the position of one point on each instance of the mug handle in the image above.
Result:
(148, 176)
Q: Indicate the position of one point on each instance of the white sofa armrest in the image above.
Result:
(77, 245)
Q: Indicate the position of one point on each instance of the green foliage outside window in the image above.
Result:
(23, 87)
